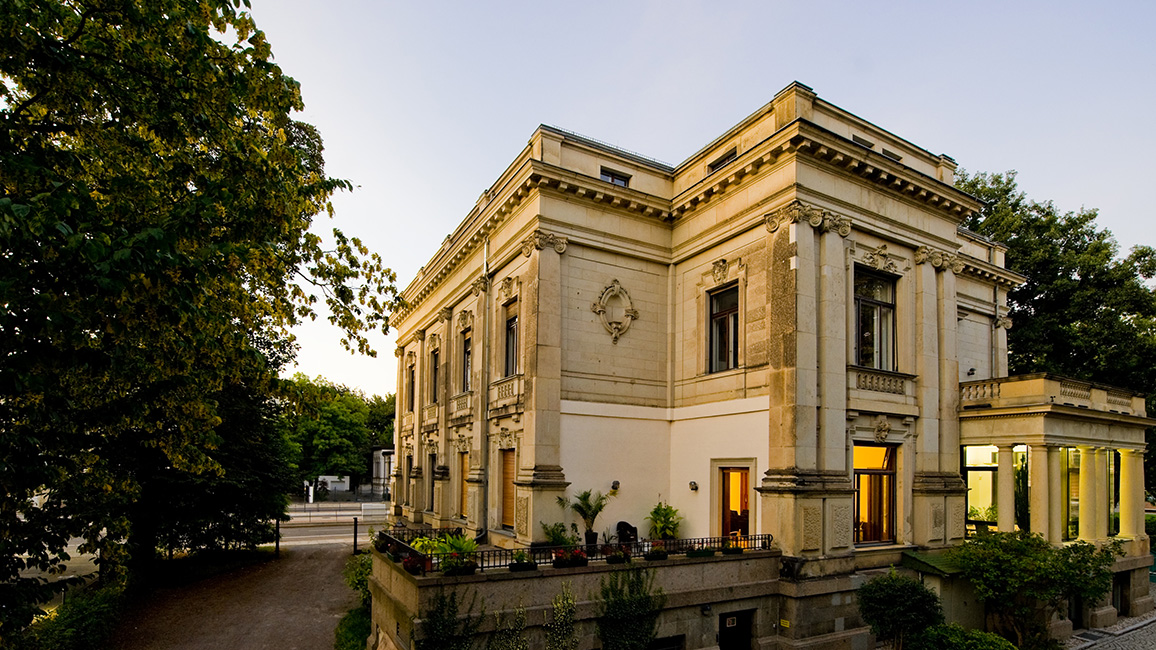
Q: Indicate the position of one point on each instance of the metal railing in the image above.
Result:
(398, 543)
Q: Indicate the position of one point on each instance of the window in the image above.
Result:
(508, 471)
(467, 363)
(463, 487)
(409, 389)
(736, 512)
(429, 495)
(875, 320)
(724, 329)
(723, 160)
(511, 367)
(433, 377)
(615, 178)
(874, 493)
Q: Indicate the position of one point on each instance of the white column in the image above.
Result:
(1039, 493)
(1005, 491)
(1131, 498)
(1087, 493)
(1058, 501)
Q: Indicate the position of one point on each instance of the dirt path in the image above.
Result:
(293, 603)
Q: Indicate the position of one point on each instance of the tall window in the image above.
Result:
(736, 512)
(875, 320)
(467, 363)
(409, 389)
(724, 329)
(429, 495)
(874, 493)
(508, 472)
(463, 487)
(511, 367)
(433, 377)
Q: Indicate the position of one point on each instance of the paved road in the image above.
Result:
(293, 603)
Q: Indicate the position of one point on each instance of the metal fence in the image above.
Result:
(397, 543)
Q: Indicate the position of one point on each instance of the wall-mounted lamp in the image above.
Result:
(694, 486)
(971, 372)
(614, 485)
(705, 609)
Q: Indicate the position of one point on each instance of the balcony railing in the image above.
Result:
(397, 543)
(879, 381)
(461, 405)
(1043, 389)
(506, 391)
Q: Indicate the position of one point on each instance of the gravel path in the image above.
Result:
(293, 603)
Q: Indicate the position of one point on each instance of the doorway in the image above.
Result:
(734, 630)
(734, 506)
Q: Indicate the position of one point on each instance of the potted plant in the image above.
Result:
(616, 554)
(657, 552)
(456, 564)
(701, 551)
(414, 564)
(588, 505)
(731, 548)
(522, 562)
(664, 520)
(570, 557)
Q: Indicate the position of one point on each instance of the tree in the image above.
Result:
(898, 607)
(1023, 580)
(331, 430)
(1085, 311)
(380, 422)
(156, 198)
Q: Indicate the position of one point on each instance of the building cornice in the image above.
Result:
(989, 272)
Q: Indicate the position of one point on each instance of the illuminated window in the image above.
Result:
(467, 362)
(874, 493)
(511, 366)
(509, 470)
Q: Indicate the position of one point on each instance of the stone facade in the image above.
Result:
(771, 337)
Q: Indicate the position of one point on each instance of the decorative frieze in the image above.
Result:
(616, 318)
(434, 342)
(462, 444)
(509, 288)
(540, 239)
(419, 335)
(881, 260)
(718, 270)
(799, 212)
(480, 285)
(882, 428)
(444, 314)
(465, 320)
(503, 438)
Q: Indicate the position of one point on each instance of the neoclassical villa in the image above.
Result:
(790, 332)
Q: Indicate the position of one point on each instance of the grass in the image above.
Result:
(352, 630)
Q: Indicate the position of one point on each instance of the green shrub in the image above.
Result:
(353, 630)
(954, 637)
(1150, 531)
(85, 620)
(509, 633)
(560, 633)
(628, 609)
(898, 607)
(556, 534)
(357, 571)
(664, 520)
(444, 627)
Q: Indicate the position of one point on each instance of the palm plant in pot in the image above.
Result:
(588, 504)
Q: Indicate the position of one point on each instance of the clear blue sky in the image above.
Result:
(423, 104)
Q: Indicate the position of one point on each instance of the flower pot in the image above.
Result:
(561, 563)
(733, 550)
(654, 556)
(700, 552)
(617, 559)
(412, 569)
(579, 561)
(462, 570)
(523, 566)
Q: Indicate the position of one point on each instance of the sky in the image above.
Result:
(422, 105)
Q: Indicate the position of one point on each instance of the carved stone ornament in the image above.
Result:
(940, 260)
(398, 351)
(836, 224)
(410, 357)
(1002, 321)
(434, 343)
(407, 450)
(882, 428)
(465, 320)
(445, 314)
(504, 438)
(539, 240)
(419, 335)
(480, 285)
(881, 259)
(430, 441)
(719, 271)
(462, 444)
(793, 212)
(616, 310)
(508, 288)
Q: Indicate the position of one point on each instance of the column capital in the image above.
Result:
(539, 240)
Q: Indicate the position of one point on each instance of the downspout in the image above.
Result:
(484, 396)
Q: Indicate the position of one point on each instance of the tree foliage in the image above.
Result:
(1085, 311)
(1023, 580)
(156, 197)
(898, 607)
